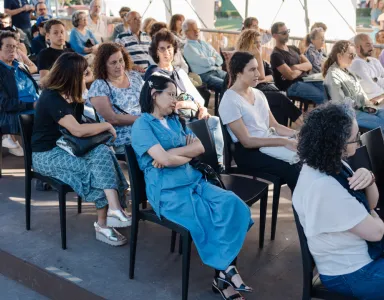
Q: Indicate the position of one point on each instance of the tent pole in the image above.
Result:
(306, 15)
(246, 8)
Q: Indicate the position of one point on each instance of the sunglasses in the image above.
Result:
(357, 140)
(284, 32)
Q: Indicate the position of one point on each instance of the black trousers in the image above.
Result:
(282, 108)
(253, 159)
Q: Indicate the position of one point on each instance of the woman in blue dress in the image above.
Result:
(218, 220)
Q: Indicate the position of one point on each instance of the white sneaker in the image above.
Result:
(17, 151)
(7, 142)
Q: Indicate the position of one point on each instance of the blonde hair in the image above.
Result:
(340, 47)
(147, 24)
(246, 40)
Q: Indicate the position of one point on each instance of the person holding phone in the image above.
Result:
(344, 86)
(82, 39)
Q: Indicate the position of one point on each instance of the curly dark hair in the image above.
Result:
(323, 137)
(237, 64)
(103, 54)
(164, 35)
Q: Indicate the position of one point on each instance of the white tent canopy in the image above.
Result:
(200, 10)
(338, 15)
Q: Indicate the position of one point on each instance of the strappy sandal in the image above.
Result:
(109, 235)
(228, 279)
(118, 218)
(218, 286)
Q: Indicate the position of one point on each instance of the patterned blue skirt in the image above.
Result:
(88, 175)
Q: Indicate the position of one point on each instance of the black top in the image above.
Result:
(280, 57)
(50, 108)
(48, 56)
(21, 20)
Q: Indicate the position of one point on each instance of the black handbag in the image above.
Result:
(89, 43)
(79, 146)
(208, 172)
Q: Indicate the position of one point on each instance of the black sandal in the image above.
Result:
(219, 285)
(228, 280)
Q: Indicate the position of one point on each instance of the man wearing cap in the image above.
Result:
(39, 43)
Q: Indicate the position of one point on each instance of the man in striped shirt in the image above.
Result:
(136, 42)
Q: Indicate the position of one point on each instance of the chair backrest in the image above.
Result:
(136, 179)
(26, 128)
(374, 142)
(307, 259)
(360, 159)
(326, 93)
(200, 128)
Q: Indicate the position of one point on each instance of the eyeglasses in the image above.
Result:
(169, 48)
(352, 55)
(10, 47)
(285, 32)
(357, 140)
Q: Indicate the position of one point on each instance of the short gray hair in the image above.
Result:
(315, 32)
(93, 3)
(76, 18)
(186, 24)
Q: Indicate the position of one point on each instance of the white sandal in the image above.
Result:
(118, 219)
(109, 235)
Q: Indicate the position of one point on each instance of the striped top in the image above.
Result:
(138, 49)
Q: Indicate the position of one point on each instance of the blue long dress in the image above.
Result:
(217, 219)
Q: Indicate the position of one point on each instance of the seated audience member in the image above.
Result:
(314, 52)
(176, 27)
(147, 25)
(163, 49)
(6, 24)
(281, 107)
(368, 68)
(379, 39)
(39, 43)
(136, 43)
(122, 27)
(253, 23)
(164, 147)
(21, 53)
(41, 10)
(304, 44)
(202, 57)
(98, 23)
(289, 66)
(82, 39)
(376, 12)
(115, 92)
(55, 32)
(178, 59)
(245, 112)
(95, 176)
(344, 86)
(18, 91)
(336, 205)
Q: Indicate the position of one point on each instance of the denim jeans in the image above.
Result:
(214, 79)
(217, 135)
(366, 283)
(370, 121)
(313, 91)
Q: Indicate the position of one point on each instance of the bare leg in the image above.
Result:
(113, 199)
(102, 217)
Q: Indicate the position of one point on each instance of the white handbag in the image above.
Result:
(280, 152)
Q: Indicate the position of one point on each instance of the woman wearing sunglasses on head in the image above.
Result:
(342, 85)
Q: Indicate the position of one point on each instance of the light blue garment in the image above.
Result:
(25, 87)
(370, 121)
(313, 91)
(375, 13)
(125, 98)
(77, 40)
(201, 57)
(218, 220)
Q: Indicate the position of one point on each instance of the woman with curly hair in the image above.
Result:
(261, 143)
(344, 86)
(115, 92)
(281, 107)
(336, 205)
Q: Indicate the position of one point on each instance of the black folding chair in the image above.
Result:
(249, 190)
(312, 286)
(233, 169)
(26, 125)
(1, 153)
(139, 196)
(374, 142)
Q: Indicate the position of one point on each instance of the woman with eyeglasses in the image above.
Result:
(217, 219)
(115, 92)
(96, 176)
(336, 206)
(314, 52)
(344, 86)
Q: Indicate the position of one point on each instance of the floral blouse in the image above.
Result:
(316, 58)
(127, 99)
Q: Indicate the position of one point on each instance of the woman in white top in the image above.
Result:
(335, 205)
(249, 121)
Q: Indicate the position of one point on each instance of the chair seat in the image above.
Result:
(150, 215)
(249, 190)
(321, 292)
(55, 183)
